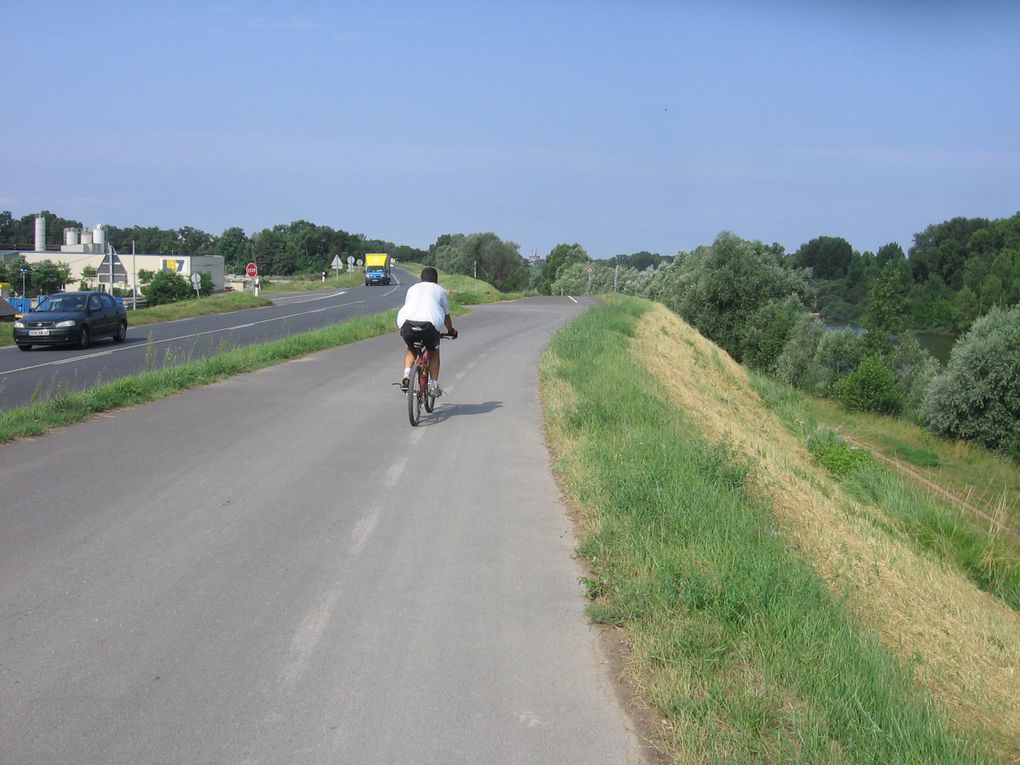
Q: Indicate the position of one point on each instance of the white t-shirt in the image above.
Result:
(425, 301)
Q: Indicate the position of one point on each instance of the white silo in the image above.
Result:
(40, 233)
(100, 235)
(71, 236)
(86, 236)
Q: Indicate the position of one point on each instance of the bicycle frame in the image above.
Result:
(417, 391)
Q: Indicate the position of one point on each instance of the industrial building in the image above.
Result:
(84, 247)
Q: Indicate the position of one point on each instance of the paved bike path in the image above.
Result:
(278, 568)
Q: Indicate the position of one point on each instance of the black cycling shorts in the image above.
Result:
(424, 332)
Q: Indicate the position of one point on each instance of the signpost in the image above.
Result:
(350, 264)
(196, 282)
(590, 271)
(253, 271)
(336, 265)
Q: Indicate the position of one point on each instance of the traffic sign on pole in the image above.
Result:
(252, 270)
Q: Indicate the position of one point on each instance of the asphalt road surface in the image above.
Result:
(278, 568)
(45, 372)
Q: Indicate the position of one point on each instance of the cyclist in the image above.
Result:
(426, 309)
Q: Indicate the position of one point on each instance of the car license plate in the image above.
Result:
(38, 332)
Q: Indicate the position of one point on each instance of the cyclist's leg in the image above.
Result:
(407, 335)
(434, 365)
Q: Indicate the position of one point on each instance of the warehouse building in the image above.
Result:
(83, 248)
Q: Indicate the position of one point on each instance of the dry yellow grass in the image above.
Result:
(963, 643)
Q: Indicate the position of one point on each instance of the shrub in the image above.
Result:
(795, 364)
(915, 370)
(167, 287)
(769, 330)
(838, 354)
(978, 396)
(869, 388)
(835, 454)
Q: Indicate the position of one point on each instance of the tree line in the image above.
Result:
(761, 304)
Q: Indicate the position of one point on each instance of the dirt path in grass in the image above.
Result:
(927, 483)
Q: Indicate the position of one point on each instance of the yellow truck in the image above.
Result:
(377, 268)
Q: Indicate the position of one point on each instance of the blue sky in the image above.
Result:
(622, 126)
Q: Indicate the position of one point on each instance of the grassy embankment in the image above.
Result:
(771, 615)
(171, 377)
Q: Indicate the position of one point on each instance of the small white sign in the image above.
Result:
(196, 279)
(336, 262)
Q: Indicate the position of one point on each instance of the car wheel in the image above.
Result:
(121, 332)
(83, 337)
(24, 347)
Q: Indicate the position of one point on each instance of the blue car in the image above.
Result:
(72, 318)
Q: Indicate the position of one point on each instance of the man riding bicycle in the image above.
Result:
(426, 309)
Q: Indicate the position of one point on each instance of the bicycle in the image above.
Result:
(418, 386)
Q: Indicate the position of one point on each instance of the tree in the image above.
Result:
(871, 387)
(827, 256)
(88, 276)
(838, 354)
(768, 331)
(235, 249)
(888, 308)
(484, 256)
(560, 256)
(942, 249)
(915, 370)
(47, 277)
(167, 287)
(966, 306)
(795, 363)
(719, 289)
(978, 396)
(889, 252)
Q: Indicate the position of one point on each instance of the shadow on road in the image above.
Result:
(446, 411)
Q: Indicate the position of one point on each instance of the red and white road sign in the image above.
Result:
(252, 269)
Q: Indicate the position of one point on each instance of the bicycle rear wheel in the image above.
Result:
(414, 396)
(430, 401)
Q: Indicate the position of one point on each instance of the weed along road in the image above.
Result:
(278, 568)
(44, 373)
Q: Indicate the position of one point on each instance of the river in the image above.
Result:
(937, 344)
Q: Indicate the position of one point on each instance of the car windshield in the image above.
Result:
(62, 303)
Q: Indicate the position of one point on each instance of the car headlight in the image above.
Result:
(64, 324)
(19, 324)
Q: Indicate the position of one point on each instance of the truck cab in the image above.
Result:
(377, 268)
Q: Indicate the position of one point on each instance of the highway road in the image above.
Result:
(44, 373)
(277, 568)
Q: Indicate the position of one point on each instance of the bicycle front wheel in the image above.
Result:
(414, 396)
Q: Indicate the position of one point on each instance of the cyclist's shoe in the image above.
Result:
(434, 389)
(405, 384)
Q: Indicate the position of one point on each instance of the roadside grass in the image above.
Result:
(983, 550)
(6, 333)
(284, 284)
(770, 616)
(189, 309)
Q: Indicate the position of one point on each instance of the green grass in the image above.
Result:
(736, 642)
(188, 309)
(988, 557)
(6, 333)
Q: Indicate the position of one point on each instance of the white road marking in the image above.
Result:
(308, 636)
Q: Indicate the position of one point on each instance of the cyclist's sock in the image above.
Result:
(407, 371)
